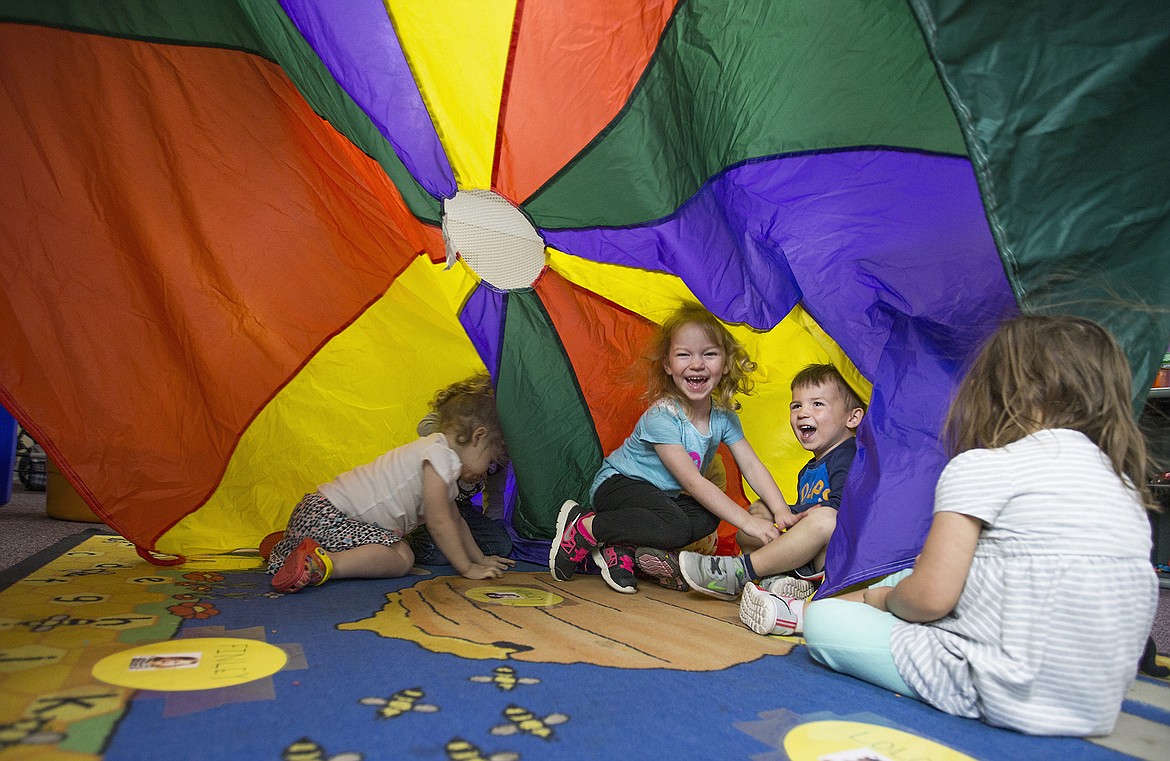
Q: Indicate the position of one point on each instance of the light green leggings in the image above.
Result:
(854, 638)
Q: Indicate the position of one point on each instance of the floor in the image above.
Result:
(25, 529)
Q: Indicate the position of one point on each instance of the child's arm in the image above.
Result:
(447, 529)
(473, 550)
(682, 467)
(760, 479)
(933, 590)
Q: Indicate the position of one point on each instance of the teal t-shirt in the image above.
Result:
(666, 423)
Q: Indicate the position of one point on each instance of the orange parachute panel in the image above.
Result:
(603, 342)
(215, 279)
(573, 67)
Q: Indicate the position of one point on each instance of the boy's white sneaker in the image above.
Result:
(766, 613)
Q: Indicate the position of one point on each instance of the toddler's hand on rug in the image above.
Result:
(502, 563)
(482, 571)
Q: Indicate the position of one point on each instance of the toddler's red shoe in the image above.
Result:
(307, 565)
(268, 542)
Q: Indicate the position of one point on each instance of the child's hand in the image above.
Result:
(498, 562)
(876, 597)
(760, 509)
(762, 529)
(784, 519)
(787, 519)
(483, 571)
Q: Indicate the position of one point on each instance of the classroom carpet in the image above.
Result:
(105, 656)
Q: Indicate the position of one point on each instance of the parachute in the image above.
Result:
(245, 241)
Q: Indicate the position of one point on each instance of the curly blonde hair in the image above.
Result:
(466, 405)
(739, 366)
(1040, 371)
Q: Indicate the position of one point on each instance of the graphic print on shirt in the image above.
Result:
(814, 484)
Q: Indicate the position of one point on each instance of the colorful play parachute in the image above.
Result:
(244, 241)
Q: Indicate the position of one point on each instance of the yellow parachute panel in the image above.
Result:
(347, 406)
(458, 50)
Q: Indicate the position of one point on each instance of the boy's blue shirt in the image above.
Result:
(821, 482)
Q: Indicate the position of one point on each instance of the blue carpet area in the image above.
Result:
(375, 671)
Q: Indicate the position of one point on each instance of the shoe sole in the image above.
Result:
(757, 611)
(658, 563)
(700, 588)
(298, 579)
(791, 586)
(562, 521)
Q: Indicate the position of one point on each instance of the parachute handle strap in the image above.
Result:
(155, 559)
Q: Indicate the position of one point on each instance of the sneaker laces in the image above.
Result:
(614, 558)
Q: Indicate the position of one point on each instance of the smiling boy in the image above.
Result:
(824, 415)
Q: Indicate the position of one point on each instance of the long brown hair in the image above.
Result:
(739, 365)
(1040, 371)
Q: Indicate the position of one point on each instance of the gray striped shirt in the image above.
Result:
(1048, 630)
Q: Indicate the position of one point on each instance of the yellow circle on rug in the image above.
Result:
(851, 740)
(199, 663)
(524, 597)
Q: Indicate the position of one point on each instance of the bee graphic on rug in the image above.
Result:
(403, 701)
(305, 749)
(524, 721)
(505, 678)
(461, 750)
(27, 732)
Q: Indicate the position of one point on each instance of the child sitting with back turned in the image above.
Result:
(651, 493)
(824, 415)
(1034, 593)
(353, 526)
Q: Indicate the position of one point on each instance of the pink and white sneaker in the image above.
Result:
(766, 613)
(571, 544)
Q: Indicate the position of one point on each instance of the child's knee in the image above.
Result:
(674, 537)
(402, 558)
(746, 542)
(822, 520)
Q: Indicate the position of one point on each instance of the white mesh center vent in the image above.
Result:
(493, 238)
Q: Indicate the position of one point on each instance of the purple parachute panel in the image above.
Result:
(890, 252)
(357, 43)
(483, 319)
